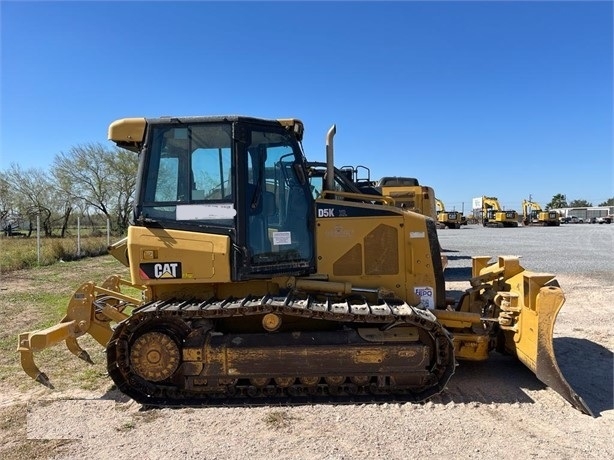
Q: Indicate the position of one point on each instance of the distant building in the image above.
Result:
(586, 213)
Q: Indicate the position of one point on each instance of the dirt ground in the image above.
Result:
(497, 409)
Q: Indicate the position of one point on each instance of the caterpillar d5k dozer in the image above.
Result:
(254, 291)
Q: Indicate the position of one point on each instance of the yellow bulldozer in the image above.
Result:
(534, 215)
(407, 192)
(254, 291)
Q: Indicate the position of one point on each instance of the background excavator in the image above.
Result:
(533, 214)
(449, 219)
(494, 216)
(253, 291)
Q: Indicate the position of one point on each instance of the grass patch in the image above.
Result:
(149, 415)
(21, 253)
(38, 298)
(146, 416)
(54, 306)
(126, 426)
(93, 378)
(278, 419)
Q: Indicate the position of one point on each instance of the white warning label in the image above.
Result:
(426, 296)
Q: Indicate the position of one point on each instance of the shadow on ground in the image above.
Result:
(459, 257)
(589, 368)
(474, 382)
(457, 273)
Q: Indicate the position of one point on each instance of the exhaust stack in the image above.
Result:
(330, 162)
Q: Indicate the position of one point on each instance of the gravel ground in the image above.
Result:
(496, 409)
(573, 249)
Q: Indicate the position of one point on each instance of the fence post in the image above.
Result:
(38, 239)
(78, 236)
(108, 232)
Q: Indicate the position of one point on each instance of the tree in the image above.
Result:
(558, 201)
(5, 200)
(580, 204)
(125, 164)
(65, 200)
(608, 202)
(103, 179)
(32, 193)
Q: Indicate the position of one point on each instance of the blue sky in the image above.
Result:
(491, 98)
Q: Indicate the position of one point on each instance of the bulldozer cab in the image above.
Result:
(235, 177)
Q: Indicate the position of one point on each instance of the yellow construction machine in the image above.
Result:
(494, 216)
(448, 219)
(253, 291)
(409, 194)
(534, 215)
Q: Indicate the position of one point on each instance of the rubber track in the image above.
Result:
(349, 313)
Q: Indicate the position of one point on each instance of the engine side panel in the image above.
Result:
(378, 247)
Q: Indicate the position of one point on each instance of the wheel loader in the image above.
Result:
(252, 291)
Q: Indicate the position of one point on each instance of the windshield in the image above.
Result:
(189, 174)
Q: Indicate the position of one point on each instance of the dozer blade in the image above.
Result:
(527, 318)
(90, 311)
